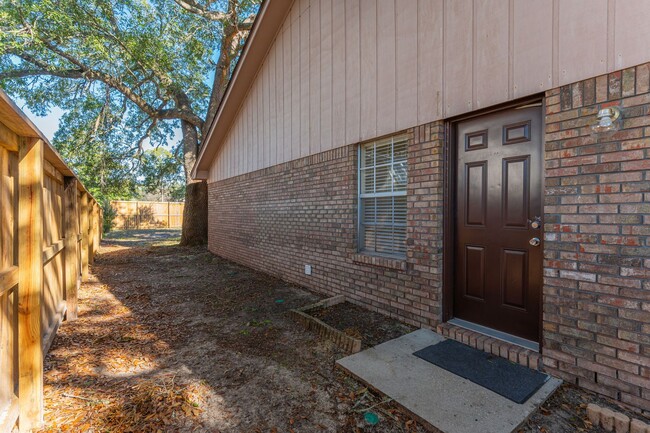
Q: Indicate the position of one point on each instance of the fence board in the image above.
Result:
(70, 232)
(30, 281)
(9, 279)
(36, 251)
(83, 210)
(147, 214)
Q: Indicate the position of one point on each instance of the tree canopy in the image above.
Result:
(129, 74)
(162, 178)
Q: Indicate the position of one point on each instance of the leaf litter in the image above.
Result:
(213, 351)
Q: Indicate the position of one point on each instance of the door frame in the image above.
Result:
(450, 157)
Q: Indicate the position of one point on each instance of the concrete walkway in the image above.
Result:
(447, 402)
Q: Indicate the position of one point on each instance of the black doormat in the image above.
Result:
(513, 381)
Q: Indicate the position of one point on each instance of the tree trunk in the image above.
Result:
(195, 213)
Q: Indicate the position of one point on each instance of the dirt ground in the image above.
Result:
(175, 339)
(566, 411)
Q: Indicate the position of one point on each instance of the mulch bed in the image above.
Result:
(371, 327)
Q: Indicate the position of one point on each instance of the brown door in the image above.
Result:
(498, 219)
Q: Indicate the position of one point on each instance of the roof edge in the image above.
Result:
(265, 28)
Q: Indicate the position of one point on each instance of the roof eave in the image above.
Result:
(265, 28)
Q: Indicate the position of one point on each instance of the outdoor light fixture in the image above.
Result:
(607, 120)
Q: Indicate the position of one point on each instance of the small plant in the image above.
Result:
(256, 324)
(109, 216)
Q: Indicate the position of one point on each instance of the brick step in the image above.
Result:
(520, 355)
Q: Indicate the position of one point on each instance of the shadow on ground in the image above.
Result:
(176, 339)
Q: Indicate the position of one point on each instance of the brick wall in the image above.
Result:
(597, 233)
(597, 255)
(302, 212)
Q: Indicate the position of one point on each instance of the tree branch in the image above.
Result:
(246, 24)
(90, 75)
(146, 135)
(195, 8)
(94, 75)
(23, 73)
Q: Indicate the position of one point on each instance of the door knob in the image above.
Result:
(534, 242)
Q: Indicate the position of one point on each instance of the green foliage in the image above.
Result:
(126, 72)
(102, 159)
(109, 216)
(150, 48)
(162, 175)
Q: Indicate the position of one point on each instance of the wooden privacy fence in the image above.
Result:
(49, 232)
(147, 214)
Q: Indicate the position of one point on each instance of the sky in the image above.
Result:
(48, 124)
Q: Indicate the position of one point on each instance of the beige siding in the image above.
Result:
(344, 71)
(532, 26)
(582, 41)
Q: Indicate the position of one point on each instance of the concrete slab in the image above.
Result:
(447, 402)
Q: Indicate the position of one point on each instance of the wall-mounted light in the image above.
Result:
(607, 120)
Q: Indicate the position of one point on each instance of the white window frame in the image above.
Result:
(361, 195)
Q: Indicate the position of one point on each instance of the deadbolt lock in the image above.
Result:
(535, 222)
(534, 242)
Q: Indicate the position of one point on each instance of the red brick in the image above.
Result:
(633, 400)
(561, 172)
(601, 389)
(579, 160)
(617, 364)
(637, 426)
(636, 165)
(598, 208)
(634, 358)
(601, 88)
(599, 326)
(623, 156)
(643, 143)
(642, 78)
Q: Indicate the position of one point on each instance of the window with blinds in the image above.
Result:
(382, 196)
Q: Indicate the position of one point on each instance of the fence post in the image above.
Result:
(84, 236)
(70, 232)
(30, 283)
(99, 224)
(96, 228)
(91, 232)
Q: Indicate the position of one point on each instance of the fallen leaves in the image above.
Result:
(103, 374)
(153, 405)
(147, 354)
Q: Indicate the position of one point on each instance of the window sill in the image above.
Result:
(384, 262)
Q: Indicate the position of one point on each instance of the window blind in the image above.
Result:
(382, 196)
